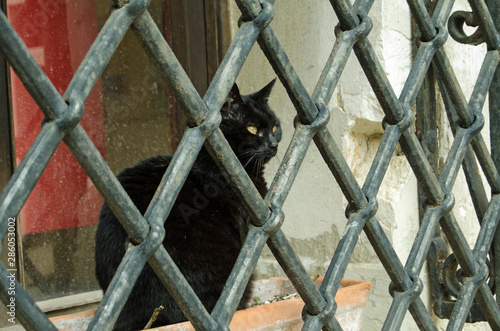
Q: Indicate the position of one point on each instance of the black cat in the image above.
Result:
(207, 225)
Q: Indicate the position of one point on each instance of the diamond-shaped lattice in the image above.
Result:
(313, 114)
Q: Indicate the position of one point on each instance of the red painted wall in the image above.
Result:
(58, 34)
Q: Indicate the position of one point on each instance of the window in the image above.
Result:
(129, 116)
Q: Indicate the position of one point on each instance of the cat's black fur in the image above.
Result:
(207, 224)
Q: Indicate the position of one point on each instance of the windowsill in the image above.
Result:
(65, 305)
(71, 303)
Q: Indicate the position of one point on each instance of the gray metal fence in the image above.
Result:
(479, 267)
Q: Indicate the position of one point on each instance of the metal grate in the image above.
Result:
(477, 266)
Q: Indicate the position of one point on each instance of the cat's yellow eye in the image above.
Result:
(274, 129)
(252, 129)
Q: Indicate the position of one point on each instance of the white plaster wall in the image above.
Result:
(314, 210)
(309, 215)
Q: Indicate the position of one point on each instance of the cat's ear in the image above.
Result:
(234, 95)
(234, 98)
(263, 94)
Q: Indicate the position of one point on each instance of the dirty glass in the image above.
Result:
(127, 107)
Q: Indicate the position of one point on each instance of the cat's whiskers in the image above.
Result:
(258, 165)
(259, 162)
(247, 153)
(277, 158)
(250, 160)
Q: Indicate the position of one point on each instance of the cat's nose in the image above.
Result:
(273, 149)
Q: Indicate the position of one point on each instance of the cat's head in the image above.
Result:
(251, 127)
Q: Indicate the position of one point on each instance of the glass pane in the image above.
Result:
(138, 118)
(57, 219)
(127, 116)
